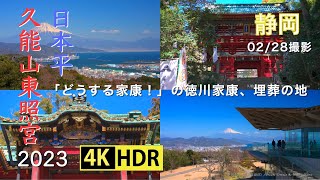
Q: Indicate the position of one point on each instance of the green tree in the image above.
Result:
(173, 159)
(62, 101)
(273, 1)
(224, 159)
(11, 76)
(47, 103)
(16, 114)
(190, 155)
(173, 30)
(169, 161)
(194, 157)
(155, 109)
(190, 26)
(202, 23)
(304, 68)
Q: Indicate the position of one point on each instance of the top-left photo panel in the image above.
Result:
(80, 44)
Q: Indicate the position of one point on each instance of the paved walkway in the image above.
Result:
(248, 172)
(179, 173)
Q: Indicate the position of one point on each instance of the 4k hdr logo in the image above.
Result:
(121, 157)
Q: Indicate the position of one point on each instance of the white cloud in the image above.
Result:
(146, 31)
(107, 31)
(231, 131)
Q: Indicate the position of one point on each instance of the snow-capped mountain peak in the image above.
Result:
(48, 28)
(231, 131)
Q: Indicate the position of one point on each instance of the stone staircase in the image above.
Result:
(295, 171)
(290, 167)
(310, 165)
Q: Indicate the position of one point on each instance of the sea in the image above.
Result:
(93, 60)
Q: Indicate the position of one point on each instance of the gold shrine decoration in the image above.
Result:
(143, 138)
(126, 128)
(93, 124)
(115, 125)
(74, 132)
(79, 115)
(63, 120)
(78, 119)
(46, 129)
(95, 119)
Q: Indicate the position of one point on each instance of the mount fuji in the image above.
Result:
(47, 32)
(258, 136)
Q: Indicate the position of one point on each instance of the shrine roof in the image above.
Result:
(247, 8)
(129, 118)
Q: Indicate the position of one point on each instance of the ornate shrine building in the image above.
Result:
(235, 29)
(71, 126)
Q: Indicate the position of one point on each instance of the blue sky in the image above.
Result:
(111, 19)
(183, 116)
(114, 104)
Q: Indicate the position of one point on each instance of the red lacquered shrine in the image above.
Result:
(71, 126)
(235, 29)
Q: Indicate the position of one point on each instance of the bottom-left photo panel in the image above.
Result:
(79, 135)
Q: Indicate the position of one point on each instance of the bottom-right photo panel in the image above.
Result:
(244, 136)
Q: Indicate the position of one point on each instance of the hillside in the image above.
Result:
(11, 76)
(198, 142)
(47, 32)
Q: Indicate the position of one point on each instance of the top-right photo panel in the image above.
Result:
(250, 44)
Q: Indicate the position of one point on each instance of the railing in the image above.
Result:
(293, 150)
